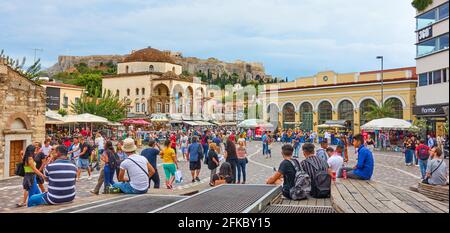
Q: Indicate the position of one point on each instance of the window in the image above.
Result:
(437, 77)
(65, 101)
(143, 91)
(443, 11)
(364, 108)
(117, 93)
(432, 16)
(128, 92)
(137, 91)
(430, 78)
(151, 68)
(143, 107)
(167, 110)
(158, 107)
(444, 75)
(423, 80)
(127, 69)
(77, 99)
(433, 45)
(137, 107)
(397, 108)
(426, 19)
(325, 112)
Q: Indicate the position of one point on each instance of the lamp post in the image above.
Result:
(382, 78)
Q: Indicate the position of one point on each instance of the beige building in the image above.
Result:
(432, 42)
(22, 117)
(340, 97)
(154, 84)
(61, 96)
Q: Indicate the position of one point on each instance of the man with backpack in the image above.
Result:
(423, 154)
(319, 172)
(286, 173)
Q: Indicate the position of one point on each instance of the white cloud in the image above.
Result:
(291, 37)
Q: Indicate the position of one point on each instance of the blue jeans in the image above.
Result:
(297, 150)
(205, 150)
(423, 167)
(241, 165)
(109, 176)
(265, 149)
(409, 156)
(416, 160)
(126, 188)
(37, 199)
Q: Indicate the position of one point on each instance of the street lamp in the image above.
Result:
(382, 78)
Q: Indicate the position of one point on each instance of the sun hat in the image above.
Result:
(128, 145)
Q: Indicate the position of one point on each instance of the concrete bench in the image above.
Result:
(356, 196)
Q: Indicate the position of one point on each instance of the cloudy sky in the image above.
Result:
(293, 38)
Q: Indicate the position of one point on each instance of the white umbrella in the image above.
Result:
(85, 118)
(254, 123)
(330, 126)
(388, 124)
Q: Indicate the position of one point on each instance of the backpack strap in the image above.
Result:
(296, 164)
(437, 167)
(139, 167)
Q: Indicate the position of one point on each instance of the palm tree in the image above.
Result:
(383, 111)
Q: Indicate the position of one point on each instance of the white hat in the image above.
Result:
(128, 145)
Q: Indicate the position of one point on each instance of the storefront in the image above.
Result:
(436, 116)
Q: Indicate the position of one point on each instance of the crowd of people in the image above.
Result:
(123, 168)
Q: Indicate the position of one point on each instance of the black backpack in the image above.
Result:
(113, 159)
(321, 182)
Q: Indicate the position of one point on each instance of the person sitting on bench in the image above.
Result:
(364, 168)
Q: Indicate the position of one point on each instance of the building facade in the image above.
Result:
(22, 117)
(433, 65)
(309, 102)
(61, 96)
(154, 84)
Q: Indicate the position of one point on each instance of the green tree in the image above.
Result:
(383, 111)
(62, 112)
(421, 5)
(109, 106)
(91, 82)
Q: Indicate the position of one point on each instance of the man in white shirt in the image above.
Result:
(335, 160)
(184, 144)
(327, 136)
(75, 151)
(46, 149)
(100, 143)
(137, 167)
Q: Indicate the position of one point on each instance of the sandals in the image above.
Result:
(19, 205)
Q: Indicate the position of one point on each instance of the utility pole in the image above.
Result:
(35, 51)
(382, 78)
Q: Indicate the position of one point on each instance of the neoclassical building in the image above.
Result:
(155, 85)
(332, 96)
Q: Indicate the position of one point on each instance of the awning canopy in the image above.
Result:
(388, 124)
(255, 123)
(53, 121)
(85, 118)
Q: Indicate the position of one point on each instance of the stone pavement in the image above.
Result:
(389, 169)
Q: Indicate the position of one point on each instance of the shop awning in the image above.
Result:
(191, 123)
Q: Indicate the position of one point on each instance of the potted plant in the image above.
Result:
(421, 5)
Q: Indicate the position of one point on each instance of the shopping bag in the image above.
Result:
(178, 177)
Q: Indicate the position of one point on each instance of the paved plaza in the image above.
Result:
(389, 169)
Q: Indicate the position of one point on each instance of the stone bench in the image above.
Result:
(356, 196)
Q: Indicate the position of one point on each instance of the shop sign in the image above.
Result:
(429, 110)
(425, 33)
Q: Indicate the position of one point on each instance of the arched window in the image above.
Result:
(127, 69)
(306, 116)
(128, 92)
(397, 107)
(151, 68)
(325, 112)
(143, 91)
(143, 107)
(363, 109)
(117, 92)
(137, 91)
(289, 116)
(173, 69)
(345, 112)
(137, 106)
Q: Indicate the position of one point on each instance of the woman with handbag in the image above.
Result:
(242, 162)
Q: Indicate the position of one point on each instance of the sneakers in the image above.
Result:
(193, 180)
(112, 190)
(197, 179)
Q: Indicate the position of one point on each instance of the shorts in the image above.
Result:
(28, 181)
(184, 150)
(196, 165)
(169, 170)
(83, 163)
